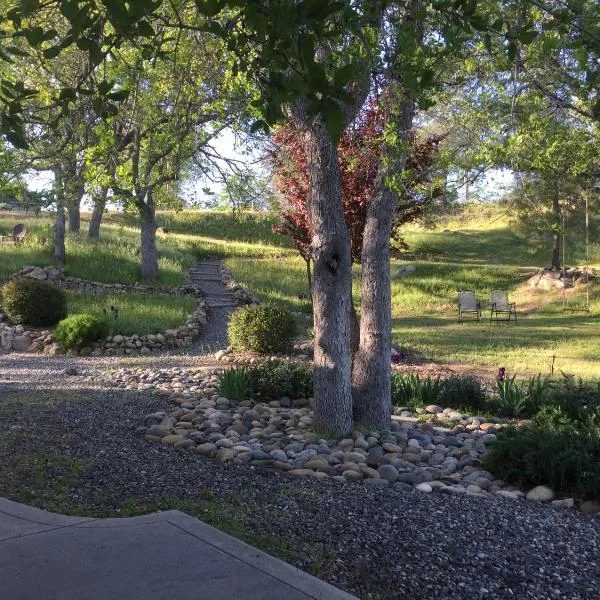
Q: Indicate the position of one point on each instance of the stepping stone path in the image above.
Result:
(219, 299)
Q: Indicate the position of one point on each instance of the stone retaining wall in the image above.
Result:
(18, 338)
(241, 293)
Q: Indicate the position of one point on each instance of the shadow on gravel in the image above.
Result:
(85, 454)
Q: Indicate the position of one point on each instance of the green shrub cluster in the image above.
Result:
(270, 380)
(567, 460)
(77, 331)
(32, 302)
(262, 328)
(463, 392)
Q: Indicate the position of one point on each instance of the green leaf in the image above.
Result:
(344, 75)
(306, 49)
(259, 125)
(209, 8)
(17, 139)
(52, 52)
(333, 117)
(34, 35)
(526, 36)
(67, 93)
(119, 95)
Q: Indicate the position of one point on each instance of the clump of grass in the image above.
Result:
(408, 389)
(138, 313)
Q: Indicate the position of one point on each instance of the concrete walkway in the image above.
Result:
(44, 556)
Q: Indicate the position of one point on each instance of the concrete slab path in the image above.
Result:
(45, 556)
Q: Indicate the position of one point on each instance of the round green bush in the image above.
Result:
(32, 302)
(262, 328)
(463, 392)
(78, 330)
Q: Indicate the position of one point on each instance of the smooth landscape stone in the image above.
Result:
(540, 493)
(564, 502)
(424, 487)
(388, 472)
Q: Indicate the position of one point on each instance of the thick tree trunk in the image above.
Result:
(97, 214)
(74, 212)
(371, 372)
(371, 377)
(556, 232)
(149, 255)
(332, 287)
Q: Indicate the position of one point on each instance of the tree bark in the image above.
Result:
(59, 222)
(371, 372)
(149, 255)
(308, 275)
(332, 287)
(97, 214)
(74, 213)
(556, 231)
(371, 375)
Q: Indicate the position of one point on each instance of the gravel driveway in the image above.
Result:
(382, 543)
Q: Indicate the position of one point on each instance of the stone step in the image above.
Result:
(214, 304)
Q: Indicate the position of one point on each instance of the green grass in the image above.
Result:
(112, 259)
(475, 249)
(140, 314)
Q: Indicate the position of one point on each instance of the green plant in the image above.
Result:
(577, 398)
(234, 384)
(262, 328)
(78, 330)
(512, 397)
(463, 392)
(408, 389)
(566, 460)
(32, 302)
(538, 390)
(274, 379)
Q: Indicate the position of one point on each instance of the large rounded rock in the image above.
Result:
(541, 493)
(388, 472)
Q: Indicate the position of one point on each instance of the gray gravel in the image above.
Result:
(377, 543)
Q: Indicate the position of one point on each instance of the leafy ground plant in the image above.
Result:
(235, 384)
(566, 460)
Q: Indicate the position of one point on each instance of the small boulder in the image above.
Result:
(540, 493)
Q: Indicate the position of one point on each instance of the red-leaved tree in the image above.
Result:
(359, 153)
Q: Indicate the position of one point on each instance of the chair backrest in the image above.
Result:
(19, 232)
(467, 300)
(500, 299)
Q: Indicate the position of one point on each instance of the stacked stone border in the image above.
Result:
(242, 294)
(23, 339)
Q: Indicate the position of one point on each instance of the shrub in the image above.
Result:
(566, 460)
(32, 302)
(463, 392)
(78, 330)
(262, 328)
(512, 398)
(408, 389)
(235, 384)
(578, 399)
(276, 378)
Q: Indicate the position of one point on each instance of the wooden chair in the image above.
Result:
(18, 235)
(500, 308)
(468, 307)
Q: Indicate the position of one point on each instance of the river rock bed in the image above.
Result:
(279, 435)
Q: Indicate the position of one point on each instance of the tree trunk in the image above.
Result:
(97, 214)
(332, 287)
(556, 231)
(308, 275)
(371, 372)
(371, 376)
(149, 255)
(59, 222)
(74, 213)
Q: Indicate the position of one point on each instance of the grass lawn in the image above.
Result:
(140, 314)
(477, 249)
